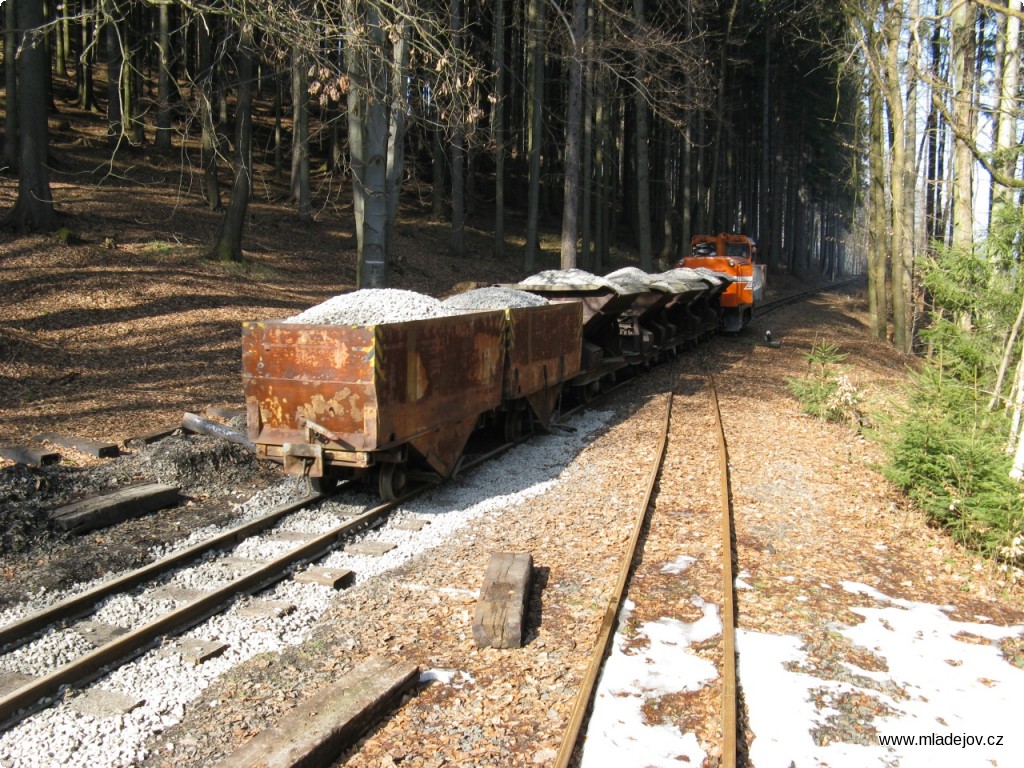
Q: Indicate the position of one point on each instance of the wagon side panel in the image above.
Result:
(294, 374)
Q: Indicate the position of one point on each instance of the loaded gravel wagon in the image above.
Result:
(336, 393)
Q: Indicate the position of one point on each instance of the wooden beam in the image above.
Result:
(315, 733)
(95, 448)
(498, 622)
(33, 457)
(109, 508)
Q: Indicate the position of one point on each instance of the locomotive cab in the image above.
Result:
(735, 256)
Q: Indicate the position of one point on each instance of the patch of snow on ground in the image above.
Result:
(637, 672)
(955, 689)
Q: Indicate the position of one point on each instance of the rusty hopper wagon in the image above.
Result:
(603, 302)
(344, 401)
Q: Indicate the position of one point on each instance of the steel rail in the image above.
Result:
(35, 694)
(729, 683)
(22, 631)
(792, 298)
(611, 613)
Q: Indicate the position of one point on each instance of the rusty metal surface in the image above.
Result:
(369, 388)
(543, 347)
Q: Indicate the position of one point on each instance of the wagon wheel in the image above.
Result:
(514, 425)
(325, 485)
(391, 481)
(587, 392)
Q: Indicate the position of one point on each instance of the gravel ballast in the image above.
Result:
(62, 735)
(372, 306)
(495, 297)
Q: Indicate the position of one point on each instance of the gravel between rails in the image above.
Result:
(169, 687)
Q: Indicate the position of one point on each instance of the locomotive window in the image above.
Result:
(737, 250)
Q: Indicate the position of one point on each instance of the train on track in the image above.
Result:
(387, 398)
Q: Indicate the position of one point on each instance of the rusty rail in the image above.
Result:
(37, 694)
(611, 613)
(729, 700)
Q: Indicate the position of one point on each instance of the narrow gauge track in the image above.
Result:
(793, 298)
(40, 692)
(33, 696)
(576, 729)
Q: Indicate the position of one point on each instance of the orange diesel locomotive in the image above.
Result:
(732, 255)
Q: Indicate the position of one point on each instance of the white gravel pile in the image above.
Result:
(495, 297)
(635, 280)
(61, 736)
(372, 306)
(683, 279)
(574, 278)
(717, 278)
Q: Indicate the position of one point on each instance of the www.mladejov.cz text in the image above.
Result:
(962, 740)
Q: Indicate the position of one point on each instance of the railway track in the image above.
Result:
(248, 576)
(245, 577)
(11, 637)
(570, 752)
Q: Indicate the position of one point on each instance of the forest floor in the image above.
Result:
(118, 322)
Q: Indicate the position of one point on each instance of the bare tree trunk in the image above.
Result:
(765, 234)
(587, 181)
(458, 146)
(898, 131)
(573, 138)
(438, 165)
(963, 19)
(643, 164)
(11, 41)
(1009, 86)
(86, 60)
(115, 71)
(229, 244)
(878, 226)
(163, 118)
(211, 184)
(1007, 355)
(602, 152)
(397, 131)
(368, 140)
(535, 21)
(300, 137)
(33, 210)
(717, 145)
(498, 128)
(1015, 444)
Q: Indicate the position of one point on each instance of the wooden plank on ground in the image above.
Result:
(152, 436)
(335, 578)
(109, 508)
(314, 734)
(95, 448)
(498, 621)
(33, 457)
